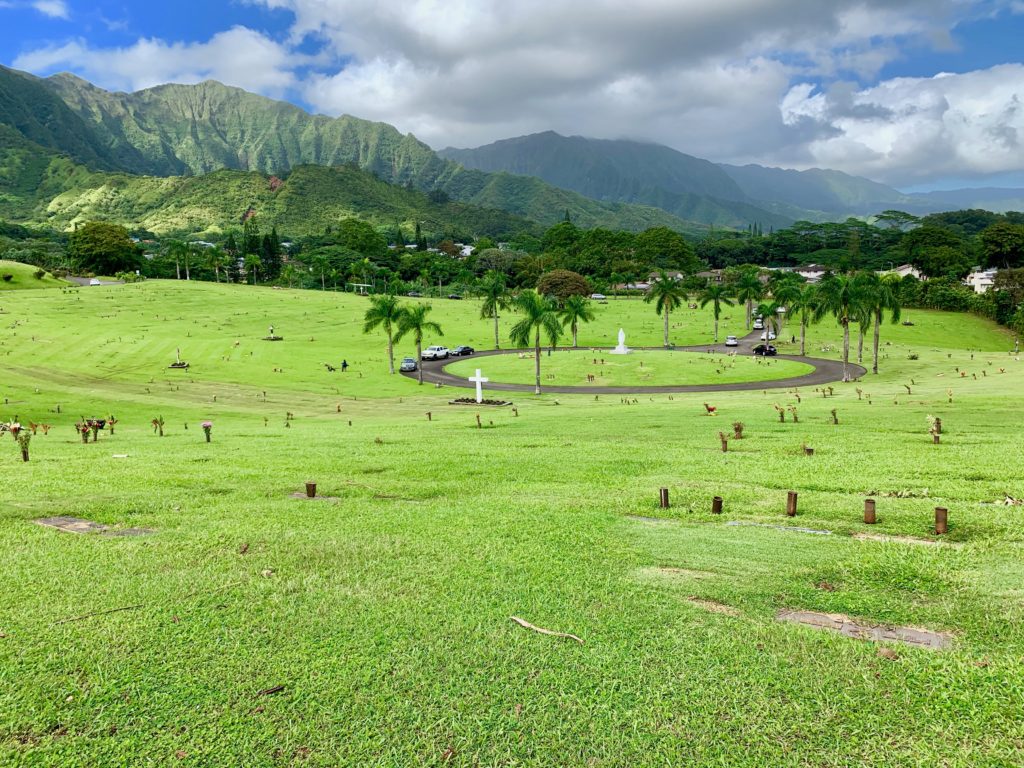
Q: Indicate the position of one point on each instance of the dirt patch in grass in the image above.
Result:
(669, 573)
(844, 625)
(80, 525)
(791, 528)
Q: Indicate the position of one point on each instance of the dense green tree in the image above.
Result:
(384, 312)
(667, 294)
(413, 319)
(540, 313)
(663, 248)
(717, 295)
(563, 283)
(1002, 244)
(103, 249)
(575, 310)
(251, 240)
(937, 252)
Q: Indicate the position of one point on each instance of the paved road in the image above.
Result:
(825, 372)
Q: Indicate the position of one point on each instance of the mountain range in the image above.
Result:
(198, 157)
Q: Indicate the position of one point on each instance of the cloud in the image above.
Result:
(912, 129)
(56, 9)
(238, 56)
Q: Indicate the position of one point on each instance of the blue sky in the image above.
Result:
(849, 84)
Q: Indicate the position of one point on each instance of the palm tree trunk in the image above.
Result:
(716, 327)
(536, 358)
(750, 311)
(497, 342)
(323, 281)
(177, 268)
(187, 275)
(666, 326)
(803, 337)
(860, 342)
(391, 356)
(419, 358)
(575, 328)
(878, 322)
(846, 349)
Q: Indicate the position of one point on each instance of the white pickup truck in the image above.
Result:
(435, 353)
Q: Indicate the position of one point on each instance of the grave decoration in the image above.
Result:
(178, 362)
(207, 428)
(271, 336)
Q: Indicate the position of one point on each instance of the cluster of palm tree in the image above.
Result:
(399, 321)
(864, 298)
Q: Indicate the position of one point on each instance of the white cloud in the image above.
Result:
(913, 129)
(57, 9)
(238, 56)
(786, 82)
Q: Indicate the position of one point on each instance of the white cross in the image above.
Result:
(480, 381)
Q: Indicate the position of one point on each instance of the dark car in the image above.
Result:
(462, 350)
(454, 296)
(765, 350)
(408, 364)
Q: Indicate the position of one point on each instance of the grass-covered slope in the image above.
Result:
(23, 276)
(372, 628)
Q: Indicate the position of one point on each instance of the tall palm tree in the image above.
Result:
(177, 250)
(748, 289)
(384, 312)
(414, 320)
(216, 260)
(716, 295)
(785, 290)
(841, 297)
(574, 311)
(804, 306)
(667, 293)
(253, 262)
(539, 313)
(496, 298)
(884, 297)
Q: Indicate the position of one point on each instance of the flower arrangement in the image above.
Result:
(207, 428)
(158, 425)
(23, 436)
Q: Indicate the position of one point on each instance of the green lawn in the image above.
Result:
(384, 612)
(23, 276)
(571, 367)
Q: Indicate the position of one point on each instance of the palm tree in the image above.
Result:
(840, 296)
(769, 311)
(414, 320)
(785, 290)
(667, 293)
(386, 313)
(216, 260)
(321, 262)
(716, 295)
(883, 297)
(574, 311)
(539, 313)
(806, 306)
(253, 262)
(177, 249)
(748, 289)
(496, 297)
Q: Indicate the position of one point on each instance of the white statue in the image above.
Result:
(622, 349)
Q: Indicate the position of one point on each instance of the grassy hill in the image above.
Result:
(23, 277)
(372, 626)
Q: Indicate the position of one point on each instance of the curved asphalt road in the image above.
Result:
(825, 372)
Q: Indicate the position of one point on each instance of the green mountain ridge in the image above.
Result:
(173, 130)
(624, 172)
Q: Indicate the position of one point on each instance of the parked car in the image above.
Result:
(598, 296)
(758, 324)
(768, 336)
(408, 364)
(435, 352)
(94, 281)
(461, 350)
(454, 296)
(414, 294)
(732, 341)
(765, 350)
